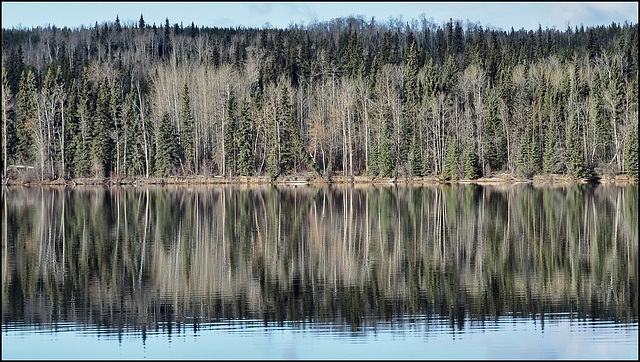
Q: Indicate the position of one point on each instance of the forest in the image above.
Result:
(348, 97)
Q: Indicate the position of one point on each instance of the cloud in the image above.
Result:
(303, 10)
(575, 14)
(223, 22)
(260, 9)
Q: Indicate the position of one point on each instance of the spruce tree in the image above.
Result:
(133, 152)
(27, 121)
(374, 154)
(631, 152)
(355, 59)
(102, 143)
(245, 141)
(82, 138)
(528, 160)
(550, 158)
(187, 145)
(414, 158)
(450, 168)
(495, 144)
(575, 158)
(141, 22)
(7, 129)
(603, 138)
(15, 67)
(230, 135)
(386, 158)
(71, 128)
(115, 116)
(409, 145)
(288, 131)
(166, 147)
(273, 148)
(472, 169)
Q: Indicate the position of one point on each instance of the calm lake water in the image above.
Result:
(368, 272)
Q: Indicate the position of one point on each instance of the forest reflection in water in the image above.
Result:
(153, 259)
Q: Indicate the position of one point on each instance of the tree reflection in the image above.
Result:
(159, 258)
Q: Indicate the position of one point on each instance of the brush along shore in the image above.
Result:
(303, 179)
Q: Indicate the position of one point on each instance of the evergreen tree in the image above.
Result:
(8, 134)
(414, 158)
(355, 60)
(430, 82)
(528, 160)
(631, 152)
(115, 115)
(230, 136)
(288, 132)
(102, 143)
(273, 148)
(187, 145)
(471, 162)
(426, 164)
(386, 158)
(133, 152)
(603, 138)
(166, 147)
(117, 25)
(374, 162)
(409, 145)
(615, 110)
(27, 121)
(495, 143)
(551, 162)
(575, 158)
(15, 67)
(450, 169)
(141, 22)
(83, 137)
(245, 141)
(71, 128)
(51, 101)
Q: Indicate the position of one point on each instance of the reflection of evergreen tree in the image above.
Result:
(346, 255)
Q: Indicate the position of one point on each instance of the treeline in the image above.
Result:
(345, 97)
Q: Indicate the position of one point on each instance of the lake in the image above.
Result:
(320, 272)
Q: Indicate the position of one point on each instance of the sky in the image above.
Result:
(499, 15)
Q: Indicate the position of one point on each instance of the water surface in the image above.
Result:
(454, 271)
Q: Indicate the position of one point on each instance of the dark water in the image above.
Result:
(402, 272)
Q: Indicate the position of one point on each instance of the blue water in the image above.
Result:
(504, 338)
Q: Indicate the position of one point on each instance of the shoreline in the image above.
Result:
(499, 179)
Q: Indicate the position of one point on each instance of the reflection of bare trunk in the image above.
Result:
(117, 238)
(144, 237)
(64, 234)
(345, 224)
(616, 221)
(224, 221)
(330, 248)
(5, 240)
